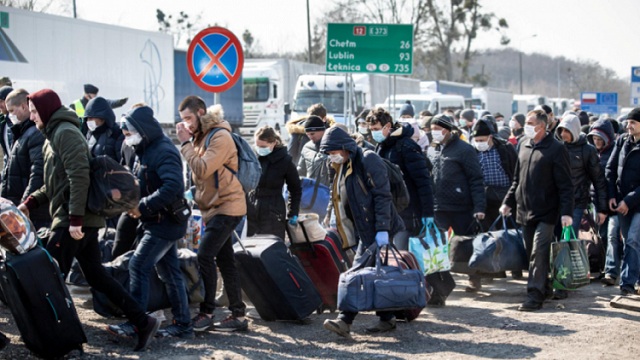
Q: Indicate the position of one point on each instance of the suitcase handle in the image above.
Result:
(240, 242)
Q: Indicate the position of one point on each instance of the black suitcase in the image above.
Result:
(442, 284)
(41, 304)
(274, 280)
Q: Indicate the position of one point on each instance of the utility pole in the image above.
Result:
(75, 14)
(308, 33)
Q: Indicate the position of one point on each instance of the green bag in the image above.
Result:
(569, 262)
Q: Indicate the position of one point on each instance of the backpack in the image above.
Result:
(113, 189)
(249, 170)
(399, 191)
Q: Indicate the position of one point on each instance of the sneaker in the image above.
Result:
(382, 326)
(146, 334)
(530, 305)
(231, 323)
(182, 331)
(626, 291)
(126, 329)
(202, 322)
(608, 280)
(516, 275)
(560, 294)
(475, 284)
(339, 327)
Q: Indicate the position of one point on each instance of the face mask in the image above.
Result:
(263, 151)
(437, 135)
(512, 124)
(481, 146)
(500, 124)
(336, 158)
(133, 139)
(14, 119)
(91, 125)
(363, 130)
(378, 136)
(530, 131)
(463, 122)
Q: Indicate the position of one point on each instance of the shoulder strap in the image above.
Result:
(207, 141)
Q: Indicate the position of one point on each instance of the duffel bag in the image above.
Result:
(499, 250)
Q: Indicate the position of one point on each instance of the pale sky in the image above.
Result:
(605, 31)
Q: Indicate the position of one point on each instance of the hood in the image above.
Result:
(213, 118)
(46, 102)
(404, 130)
(296, 126)
(149, 128)
(571, 123)
(337, 139)
(604, 129)
(99, 108)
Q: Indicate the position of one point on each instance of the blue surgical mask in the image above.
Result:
(378, 136)
(263, 151)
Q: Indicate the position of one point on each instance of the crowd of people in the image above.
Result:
(546, 170)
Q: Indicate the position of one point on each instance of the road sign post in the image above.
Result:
(215, 59)
(599, 102)
(635, 86)
(370, 48)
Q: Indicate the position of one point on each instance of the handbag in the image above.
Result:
(315, 196)
(308, 229)
(569, 262)
(381, 288)
(431, 249)
(499, 250)
(179, 211)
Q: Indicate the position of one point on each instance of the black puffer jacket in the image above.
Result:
(266, 211)
(401, 150)
(542, 190)
(457, 177)
(585, 170)
(367, 186)
(23, 172)
(107, 138)
(623, 173)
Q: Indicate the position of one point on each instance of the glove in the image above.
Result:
(294, 220)
(427, 221)
(382, 238)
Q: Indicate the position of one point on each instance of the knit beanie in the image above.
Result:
(46, 102)
(314, 123)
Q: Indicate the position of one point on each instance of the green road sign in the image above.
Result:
(370, 48)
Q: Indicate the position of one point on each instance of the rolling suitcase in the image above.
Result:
(41, 305)
(274, 280)
(324, 261)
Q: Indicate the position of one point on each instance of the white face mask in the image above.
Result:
(336, 158)
(363, 130)
(463, 122)
(14, 119)
(437, 135)
(481, 146)
(263, 151)
(133, 139)
(512, 124)
(530, 131)
(500, 124)
(92, 125)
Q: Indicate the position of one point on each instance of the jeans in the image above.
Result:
(216, 250)
(162, 253)
(64, 248)
(577, 218)
(537, 242)
(630, 229)
(614, 247)
(349, 316)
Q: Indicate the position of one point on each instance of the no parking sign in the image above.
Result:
(215, 59)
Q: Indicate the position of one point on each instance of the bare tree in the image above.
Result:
(179, 25)
(31, 5)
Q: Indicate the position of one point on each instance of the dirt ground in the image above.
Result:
(482, 325)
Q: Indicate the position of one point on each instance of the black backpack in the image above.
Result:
(399, 191)
(113, 189)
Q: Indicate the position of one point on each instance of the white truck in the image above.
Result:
(436, 103)
(61, 53)
(525, 103)
(492, 99)
(363, 92)
(267, 85)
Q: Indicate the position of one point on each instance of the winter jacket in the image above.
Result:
(207, 164)
(267, 212)
(403, 151)
(623, 173)
(66, 161)
(369, 202)
(585, 167)
(603, 129)
(542, 189)
(107, 138)
(6, 137)
(314, 164)
(506, 151)
(457, 177)
(297, 138)
(22, 174)
(160, 176)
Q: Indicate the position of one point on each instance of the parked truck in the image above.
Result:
(492, 99)
(268, 85)
(46, 51)
(448, 88)
(436, 103)
(525, 103)
(361, 90)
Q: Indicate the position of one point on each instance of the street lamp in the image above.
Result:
(520, 56)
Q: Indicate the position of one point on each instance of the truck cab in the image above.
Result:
(436, 103)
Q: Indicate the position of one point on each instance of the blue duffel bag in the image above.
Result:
(315, 197)
(382, 287)
(499, 250)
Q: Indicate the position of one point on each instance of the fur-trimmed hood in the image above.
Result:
(214, 117)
